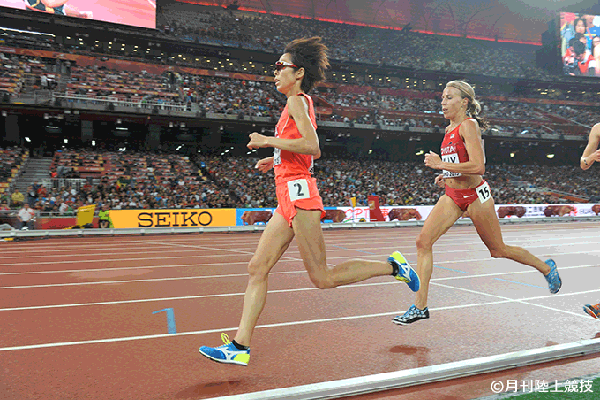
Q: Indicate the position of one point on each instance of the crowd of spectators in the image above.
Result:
(168, 181)
(11, 161)
(269, 32)
(397, 183)
(348, 103)
(372, 105)
(120, 85)
(124, 180)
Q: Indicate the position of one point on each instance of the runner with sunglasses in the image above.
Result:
(300, 208)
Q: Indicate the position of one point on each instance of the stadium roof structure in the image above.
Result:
(521, 21)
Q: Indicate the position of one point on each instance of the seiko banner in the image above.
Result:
(172, 218)
(260, 216)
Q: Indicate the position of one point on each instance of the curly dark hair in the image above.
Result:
(310, 54)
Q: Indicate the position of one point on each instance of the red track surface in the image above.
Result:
(77, 321)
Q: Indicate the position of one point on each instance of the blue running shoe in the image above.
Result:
(553, 279)
(226, 353)
(413, 314)
(405, 272)
(592, 310)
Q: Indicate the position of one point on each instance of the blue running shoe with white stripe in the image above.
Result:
(226, 353)
(406, 273)
(553, 279)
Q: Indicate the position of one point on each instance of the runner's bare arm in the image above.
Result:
(307, 144)
(591, 152)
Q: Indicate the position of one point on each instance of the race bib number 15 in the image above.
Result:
(298, 189)
(484, 193)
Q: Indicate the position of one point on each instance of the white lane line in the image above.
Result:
(293, 251)
(106, 256)
(84, 271)
(182, 278)
(62, 252)
(356, 285)
(235, 275)
(203, 332)
(215, 239)
(108, 303)
(87, 270)
(92, 261)
(275, 325)
(580, 314)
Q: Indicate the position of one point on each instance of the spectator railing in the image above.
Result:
(60, 183)
(106, 100)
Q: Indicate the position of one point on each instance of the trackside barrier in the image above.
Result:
(18, 234)
(422, 375)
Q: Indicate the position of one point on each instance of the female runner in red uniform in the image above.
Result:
(463, 162)
(300, 208)
(590, 155)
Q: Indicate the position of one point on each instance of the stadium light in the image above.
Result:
(27, 140)
(550, 155)
(512, 155)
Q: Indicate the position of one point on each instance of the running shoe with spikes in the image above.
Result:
(226, 353)
(553, 279)
(593, 310)
(404, 272)
(411, 315)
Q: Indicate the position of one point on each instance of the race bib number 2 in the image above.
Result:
(298, 189)
(484, 193)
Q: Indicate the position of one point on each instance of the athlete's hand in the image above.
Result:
(432, 160)
(265, 164)
(439, 180)
(257, 141)
(594, 156)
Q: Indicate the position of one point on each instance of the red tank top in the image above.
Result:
(288, 164)
(453, 151)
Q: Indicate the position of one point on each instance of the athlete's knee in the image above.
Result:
(322, 279)
(499, 252)
(257, 268)
(424, 242)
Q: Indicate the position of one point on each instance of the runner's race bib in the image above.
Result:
(453, 159)
(298, 189)
(484, 192)
(276, 156)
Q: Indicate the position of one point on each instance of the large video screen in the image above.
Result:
(580, 44)
(140, 13)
